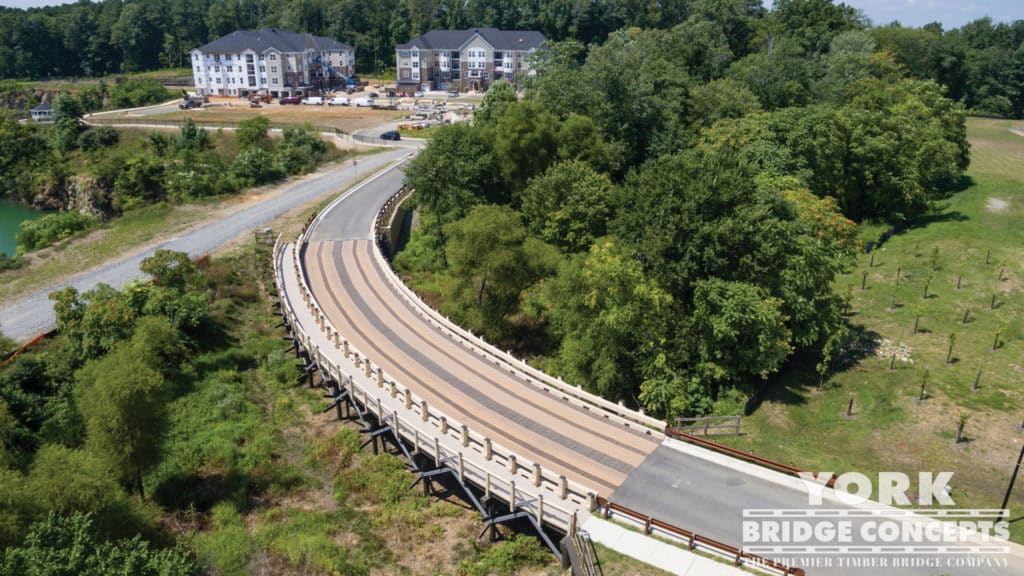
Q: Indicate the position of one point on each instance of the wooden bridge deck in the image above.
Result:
(581, 444)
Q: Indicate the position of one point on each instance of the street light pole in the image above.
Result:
(1009, 489)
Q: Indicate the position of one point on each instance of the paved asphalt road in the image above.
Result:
(34, 314)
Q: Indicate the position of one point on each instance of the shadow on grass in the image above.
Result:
(800, 374)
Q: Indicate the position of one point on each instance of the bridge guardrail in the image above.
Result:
(551, 497)
(566, 392)
(650, 525)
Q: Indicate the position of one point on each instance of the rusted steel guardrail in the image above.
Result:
(740, 454)
(694, 541)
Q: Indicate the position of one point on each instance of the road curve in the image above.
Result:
(24, 318)
(683, 485)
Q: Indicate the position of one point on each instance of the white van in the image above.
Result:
(338, 101)
(313, 101)
(363, 102)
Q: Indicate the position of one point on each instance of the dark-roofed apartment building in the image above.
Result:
(271, 60)
(465, 59)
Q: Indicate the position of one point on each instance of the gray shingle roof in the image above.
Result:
(262, 40)
(454, 39)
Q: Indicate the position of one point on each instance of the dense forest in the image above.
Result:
(664, 217)
(981, 63)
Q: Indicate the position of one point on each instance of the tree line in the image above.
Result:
(663, 219)
(980, 63)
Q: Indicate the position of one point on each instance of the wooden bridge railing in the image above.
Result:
(475, 458)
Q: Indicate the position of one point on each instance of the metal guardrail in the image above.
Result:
(633, 419)
(525, 485)
(741, 455)
(694, 541)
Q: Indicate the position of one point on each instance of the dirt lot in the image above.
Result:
(234, 110)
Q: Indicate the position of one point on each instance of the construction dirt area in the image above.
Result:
(228, 111)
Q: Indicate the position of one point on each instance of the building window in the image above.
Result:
(263, 79)
(216, 58)
(263, 68)
(405, 74)
(273, 56)
(216, 68)
(403, 54)
(273, 69)
(498, 55)
(273, 81)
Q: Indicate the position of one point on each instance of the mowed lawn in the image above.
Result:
(892, 429)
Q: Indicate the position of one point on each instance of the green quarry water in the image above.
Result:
(12, 215)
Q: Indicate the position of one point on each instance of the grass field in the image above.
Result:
(975, 239)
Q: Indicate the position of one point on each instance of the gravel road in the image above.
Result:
(33, 314)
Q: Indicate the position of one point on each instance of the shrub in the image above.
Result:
(506, 558)
(96, 138)
(42, 232)
(137, 92)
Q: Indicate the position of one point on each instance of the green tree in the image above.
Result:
(569, 205)
(493, 261)
(524, 144)
(499, 97)
(123, 401)
(456, 172)
(611, 317)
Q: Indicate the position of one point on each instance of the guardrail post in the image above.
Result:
(465, 436)
(536, 474)
(487, 449)
(369, 369)
(690, 543)
(424, 410)
(736, 559)
(437, 452)
(408, 399)
(607, 510)
(444, 425)
(512, 467)
(337, 339)
(512, 496)
(345, 347)
(380, 377)
(461, 469)
(647, 525)
(415, 441)
(540, 509)
(591, 501)
(563, 487)
(394, 389)
(357, 361)
(487, 486)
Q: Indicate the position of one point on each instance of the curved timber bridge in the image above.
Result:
(549, 452)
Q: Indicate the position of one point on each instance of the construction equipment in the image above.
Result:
(351, 83)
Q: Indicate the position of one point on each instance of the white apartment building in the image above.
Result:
(465, 59)
(280, 62)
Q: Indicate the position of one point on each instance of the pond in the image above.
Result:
(12, 215)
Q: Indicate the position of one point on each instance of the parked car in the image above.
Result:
(417, 94)
(363, 102)
(290, 100)
(453, 93)
(313, 101)
(391, 135)
(187, 104)
(339, 101)
(374, 95)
